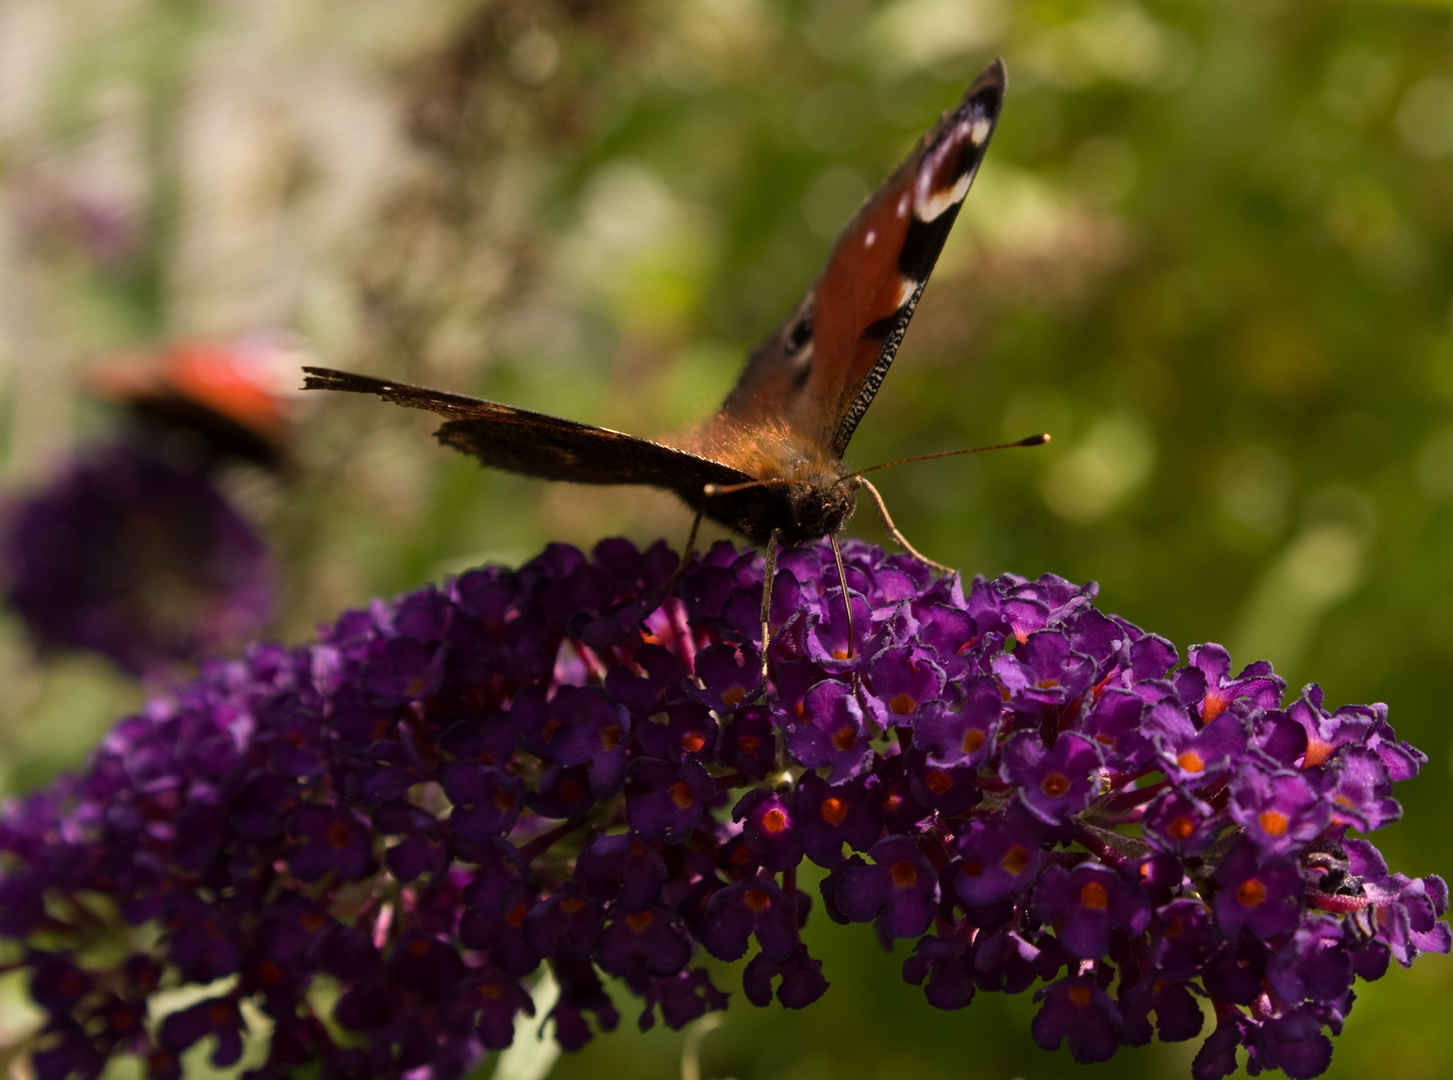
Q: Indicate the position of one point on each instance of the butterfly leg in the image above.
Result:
(767, 578)
(686, 554)
(842, 576)
(898, 536)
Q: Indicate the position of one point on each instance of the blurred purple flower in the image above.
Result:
(133, 552)
(408, 816)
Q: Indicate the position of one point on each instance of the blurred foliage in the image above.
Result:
(1210, 251)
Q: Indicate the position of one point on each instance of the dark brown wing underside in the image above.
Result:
(536, 444)
(590, 455)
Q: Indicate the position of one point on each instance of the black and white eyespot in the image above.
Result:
(798, 334)
(797, 343)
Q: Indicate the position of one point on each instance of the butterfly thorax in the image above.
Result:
(802, 494)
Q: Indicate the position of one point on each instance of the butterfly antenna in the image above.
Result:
(1029, 440)
(686, 554)
(882, 507)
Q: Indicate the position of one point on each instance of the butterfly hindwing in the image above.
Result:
(819, 371)
(536, 444)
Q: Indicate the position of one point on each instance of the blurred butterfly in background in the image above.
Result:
(236, 395)
(769, 464)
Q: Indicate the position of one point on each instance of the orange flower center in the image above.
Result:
(1273, 822)
(1015, 860)
(1250, 893)
(938, 781)
(833, 810)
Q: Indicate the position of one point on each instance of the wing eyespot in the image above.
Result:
(802, 368)
(799, 334)
(797, 346)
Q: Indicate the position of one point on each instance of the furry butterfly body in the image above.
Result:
(769, 465)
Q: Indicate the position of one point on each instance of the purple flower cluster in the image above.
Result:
(133, 552)
(398, 823)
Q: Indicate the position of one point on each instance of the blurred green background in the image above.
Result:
(1211, 251)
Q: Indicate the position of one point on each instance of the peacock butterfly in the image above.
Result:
(769, 463)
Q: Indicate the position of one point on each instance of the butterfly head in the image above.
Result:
(818, 508)
(794, 510)
(800, 490)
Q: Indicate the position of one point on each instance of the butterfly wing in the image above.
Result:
(536, 444)
(819, 371)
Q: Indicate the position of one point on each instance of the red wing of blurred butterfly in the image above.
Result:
(777, 443)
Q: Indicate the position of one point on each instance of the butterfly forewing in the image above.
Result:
(818, 373)
(537, 444)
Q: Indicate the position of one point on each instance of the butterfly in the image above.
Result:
(769, 464)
